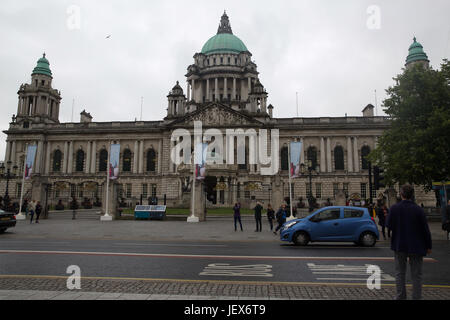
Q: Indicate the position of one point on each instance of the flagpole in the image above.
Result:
(290, 186)
(192, 217)
(20, 216)
(106, 216)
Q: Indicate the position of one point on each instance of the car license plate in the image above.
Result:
(3, 219)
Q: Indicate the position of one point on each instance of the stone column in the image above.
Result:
(141, 156)
(233, 94)
(38, 165)
(322, 154)
(207, 90)
(160, 156)
(216, 88)
(47, 157)
(88, 157)
(70, 158)
(243, 97)
(135, 156)
(329, 166)
(225, 88)
(355, 154)
(13, 153)
(349, 155)
(94, 157)
(188, 91)
(65, 156)
(193, 89)
(8, 149)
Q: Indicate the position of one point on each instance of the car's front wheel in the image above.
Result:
(300, 238)
(367, 239)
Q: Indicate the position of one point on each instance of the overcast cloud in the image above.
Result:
(331, 52)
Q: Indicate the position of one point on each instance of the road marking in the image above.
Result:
(344, 270)
(170, 245)
(196, 256)
(225, 269)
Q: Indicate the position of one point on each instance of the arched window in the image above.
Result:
(126, 167)
(364, 153)
(338, 158)
(79, 165)
(151, 160)
(103, 160)
(57, 156)
(284, 158)
(311, 154)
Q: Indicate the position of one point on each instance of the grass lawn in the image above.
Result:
(184, 211)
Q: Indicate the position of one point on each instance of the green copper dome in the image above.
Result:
(224, 41)
(42, 67)
(416, 53)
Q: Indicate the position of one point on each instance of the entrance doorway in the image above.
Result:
(210, 189)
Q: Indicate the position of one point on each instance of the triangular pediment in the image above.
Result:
(217, 115)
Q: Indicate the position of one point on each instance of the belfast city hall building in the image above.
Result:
(222, 91)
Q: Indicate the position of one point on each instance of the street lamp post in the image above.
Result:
(310, 168)
(8, 175)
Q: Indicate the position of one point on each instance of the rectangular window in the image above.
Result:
(335, 189)
(18, 190)
(308, 191)
(153, 190)
(144, 190)
(129, 187)
(318, 190)
(363, 191)
(351, 213)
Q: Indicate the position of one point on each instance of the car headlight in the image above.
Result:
(290, 224)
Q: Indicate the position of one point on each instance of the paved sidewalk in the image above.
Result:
(55, 289)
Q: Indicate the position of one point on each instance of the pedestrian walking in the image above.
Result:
(270, 215)
(281, 217)
(411, 238)
(38, 211)
(258, 215)
(382, 212)
(31, 210)
(237, 215)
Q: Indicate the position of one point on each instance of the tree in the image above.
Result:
(416, 147)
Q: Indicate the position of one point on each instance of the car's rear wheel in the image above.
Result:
(367, 239)
(300, 238)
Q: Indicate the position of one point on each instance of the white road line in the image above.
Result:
(169, 245)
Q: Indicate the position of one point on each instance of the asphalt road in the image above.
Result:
(241, 261)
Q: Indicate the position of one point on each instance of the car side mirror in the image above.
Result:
(314, 219)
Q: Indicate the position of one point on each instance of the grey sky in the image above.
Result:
(322, 49)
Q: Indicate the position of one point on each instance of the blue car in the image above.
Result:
(333, 224)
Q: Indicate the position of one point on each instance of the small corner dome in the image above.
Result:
(42, 67)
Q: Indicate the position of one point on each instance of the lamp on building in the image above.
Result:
(6, 172)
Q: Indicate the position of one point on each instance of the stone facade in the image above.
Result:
(223, 91)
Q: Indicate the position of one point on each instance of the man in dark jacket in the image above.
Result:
(258, 211)
(411, 238)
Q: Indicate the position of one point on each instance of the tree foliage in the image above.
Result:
(416, 147)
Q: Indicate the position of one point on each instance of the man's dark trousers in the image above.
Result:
(415, 265)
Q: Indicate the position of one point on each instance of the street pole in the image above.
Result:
(192, 217)
(370, 183)
(290, 183)
(106, 216)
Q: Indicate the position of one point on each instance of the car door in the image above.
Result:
(325, 225)
(351, 222)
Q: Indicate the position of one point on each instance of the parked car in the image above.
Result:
(333, 224)
(7, 220)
